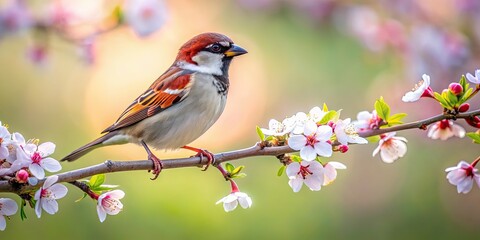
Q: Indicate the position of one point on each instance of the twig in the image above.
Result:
(257, 150)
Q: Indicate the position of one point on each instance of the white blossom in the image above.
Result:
(231, 201)
(463, 175)
(109, 203)
(314, 141)
(309, 172)
(418, 90)
(346, 133)
(445, 129)
(47, 196)
(8, 207)
(474, 79)
(391, 148)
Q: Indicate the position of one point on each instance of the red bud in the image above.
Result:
(464, 107)
(455, 88)
(22, 176)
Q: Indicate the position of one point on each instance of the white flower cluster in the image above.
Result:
(314, 134)
(25, 160)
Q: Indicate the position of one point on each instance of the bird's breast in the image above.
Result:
(187, 120)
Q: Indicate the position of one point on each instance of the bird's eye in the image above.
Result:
(216, 48)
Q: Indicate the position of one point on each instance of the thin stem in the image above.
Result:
(258, 150)
(422, 124)
(85, 188)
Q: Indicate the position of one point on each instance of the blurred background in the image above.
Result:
(69, 68)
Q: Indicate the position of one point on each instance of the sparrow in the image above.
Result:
(180, 105)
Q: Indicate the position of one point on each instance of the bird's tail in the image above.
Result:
(99, 142)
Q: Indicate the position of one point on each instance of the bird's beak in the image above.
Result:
(235, 50)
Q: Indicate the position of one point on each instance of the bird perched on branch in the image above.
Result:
(180, 105)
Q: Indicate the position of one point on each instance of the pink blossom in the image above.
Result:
(390, 147)
(445, 129)
(109, 203)
(37, 159)
(314, 141)
(463, 176)
(47, 196)
(8, 207)
(309, 172)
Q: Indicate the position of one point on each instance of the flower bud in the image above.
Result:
(22, 176)
(343, 148)
(464, 107)
(455, 88)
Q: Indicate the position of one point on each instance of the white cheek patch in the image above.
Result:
(209, 63)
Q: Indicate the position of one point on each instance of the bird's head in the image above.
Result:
(209, 53)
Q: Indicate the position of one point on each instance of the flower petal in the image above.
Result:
(37, 170)
(309, 128)
(3, 223)
(293, 169)
(245, 202)
(117, 194)
(50, 181)
(50, 205)
(38, 208)
(314, 182)
(230, 206)
(297, 142)
(337, 165)
(46, 149)
(323, 149)
(296, 184)
(8, 206)
(324, 133)
(58, 190)
(50, 164)
(308, 153)
(102, 215)
(465, 185)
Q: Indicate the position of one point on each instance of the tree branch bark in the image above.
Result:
(256, 150)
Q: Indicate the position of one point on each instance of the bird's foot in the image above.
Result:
(202, 153)
(157, 166)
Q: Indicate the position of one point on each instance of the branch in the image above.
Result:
(257, 150)
(121, 166)
(422, 124)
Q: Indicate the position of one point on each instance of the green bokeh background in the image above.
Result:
(306, 65)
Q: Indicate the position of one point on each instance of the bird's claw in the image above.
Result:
(204, 153)
(157, 166)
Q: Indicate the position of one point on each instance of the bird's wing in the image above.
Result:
(169, 89)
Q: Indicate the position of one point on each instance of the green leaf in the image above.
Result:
(474, 136)
(373, 139)
(295, 158)
(260, 134)
(104, 188)
(281, 170)
(452, 98)
(325, 108)
(329, 116)
(80, 199)
(466, 95)
(382, 108)
(240, 175)
(229, 167)
(23, 215)
(441, 100)
(396, 119)
(96, 180)
(237, 170)
(463, 82)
